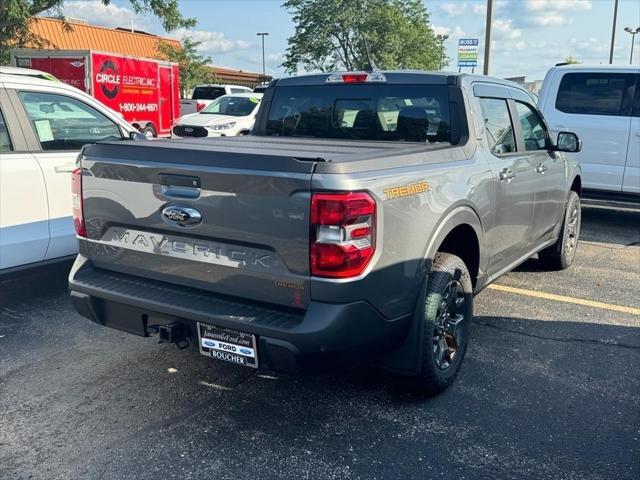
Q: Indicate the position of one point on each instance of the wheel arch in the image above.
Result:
(576, 185)
(460, 233)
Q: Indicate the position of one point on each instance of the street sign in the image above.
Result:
(468, 52)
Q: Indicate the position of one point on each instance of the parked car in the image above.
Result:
(43, 125)
(226, 116)
(602, 105)
(355, 223)
(261, 88)
(203, 95)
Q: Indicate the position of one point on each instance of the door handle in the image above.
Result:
(542, 169)
(64, 168)
(506, 175)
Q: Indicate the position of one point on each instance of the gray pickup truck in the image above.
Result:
(356, 223)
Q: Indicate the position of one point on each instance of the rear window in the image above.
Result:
(409, 113)
(596, 93)
(207, 93)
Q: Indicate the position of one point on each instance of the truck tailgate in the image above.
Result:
(253, 237)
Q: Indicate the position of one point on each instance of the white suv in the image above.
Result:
(43, 125)
(601, 104)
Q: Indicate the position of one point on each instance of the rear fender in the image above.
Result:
(406, 360)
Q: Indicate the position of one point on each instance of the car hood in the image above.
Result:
(204, 119)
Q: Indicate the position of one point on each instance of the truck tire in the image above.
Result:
(446, 313)
(560, 255)
(149, 131)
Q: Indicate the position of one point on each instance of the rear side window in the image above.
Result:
(64, 123)
(409, 113)
(5, 141)
(207, 93)
(497, 125)
(596, 93)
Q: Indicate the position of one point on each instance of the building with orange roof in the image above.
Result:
(83, 36)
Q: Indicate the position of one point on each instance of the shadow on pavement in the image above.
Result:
(610, 226)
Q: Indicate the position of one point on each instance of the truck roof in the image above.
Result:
(401, 77)
(597, 68)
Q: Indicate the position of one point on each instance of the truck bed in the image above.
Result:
(332, 156)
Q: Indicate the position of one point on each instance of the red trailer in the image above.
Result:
(146, 92)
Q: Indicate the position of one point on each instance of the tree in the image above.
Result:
(193, 66)
(15, 16)
(571, 60)
(332, 34)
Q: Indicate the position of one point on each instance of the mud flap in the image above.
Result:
(407, 358)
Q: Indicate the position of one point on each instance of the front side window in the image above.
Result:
(497, 125)
(596, 93)
(5, 141)
(232, 106)
(64, 123)
(533, 130)
(408, 113)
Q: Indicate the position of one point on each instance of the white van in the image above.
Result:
(43, 125)
(601, 104)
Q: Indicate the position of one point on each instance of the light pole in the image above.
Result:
(262, 35)
(633, 38)
(442, 37)
(613, 31)
(487, 38)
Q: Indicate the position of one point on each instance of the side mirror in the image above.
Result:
(568, 142)
(137, 136)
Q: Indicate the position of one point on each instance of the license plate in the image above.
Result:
(228, 345)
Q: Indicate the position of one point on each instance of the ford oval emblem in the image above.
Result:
(183, 216)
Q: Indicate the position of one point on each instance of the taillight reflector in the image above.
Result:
(77, 203)
(342, 233)
(199, 106)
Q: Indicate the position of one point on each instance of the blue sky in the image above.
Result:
(529, 35)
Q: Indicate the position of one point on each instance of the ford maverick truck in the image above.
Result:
(355, 223)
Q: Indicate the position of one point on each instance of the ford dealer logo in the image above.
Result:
(183, 216)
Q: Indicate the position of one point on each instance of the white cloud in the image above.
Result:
(453, 9)
(479, 8)
(543, 13)
(96, 13)
(455, 32)
(504, 30)
(212, 42)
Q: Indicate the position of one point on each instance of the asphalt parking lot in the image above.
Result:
(550, 388)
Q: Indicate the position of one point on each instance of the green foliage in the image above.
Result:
(571, 60)
(330, 35)
(193, 66)
(15, 16)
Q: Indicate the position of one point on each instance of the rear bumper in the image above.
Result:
(288, 340)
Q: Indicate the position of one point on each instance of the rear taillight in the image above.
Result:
(76, 202)
(343, 233)
(199, 106)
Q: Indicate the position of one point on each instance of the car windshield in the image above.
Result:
(207, 93)
(233, 106)
(409, 113)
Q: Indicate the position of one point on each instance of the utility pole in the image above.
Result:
(613, 31)
(262, 35)
(633, 39)
(487, 37)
